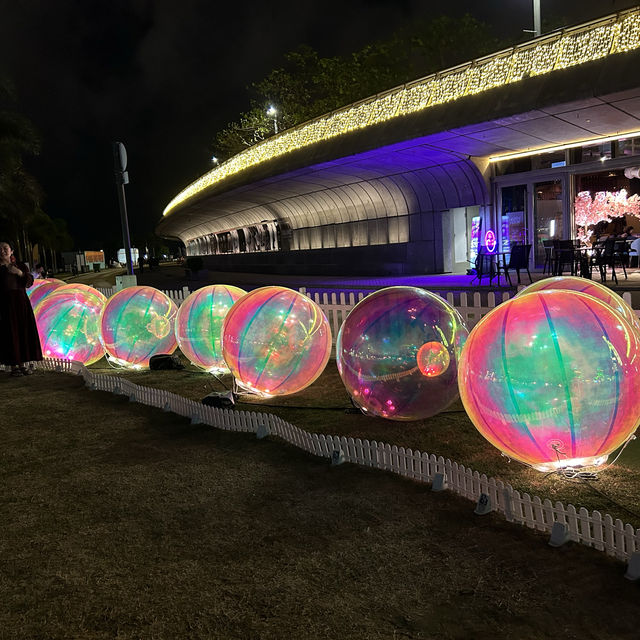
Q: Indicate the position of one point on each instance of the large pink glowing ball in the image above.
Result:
(552, 379)
(199, 325)
(595, 289)
(397, 353)
(137, 323)
(68, 322)
(275, 341)
(41, 288)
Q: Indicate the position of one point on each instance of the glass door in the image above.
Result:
(548, 217)
(513, 225)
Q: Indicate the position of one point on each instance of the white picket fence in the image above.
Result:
(588, 528)
(337, 304)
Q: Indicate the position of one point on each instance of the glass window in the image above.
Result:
(548, 216)
(513, 225)
(518, 165)
(549, 160)
(592, 153)
(628, 147)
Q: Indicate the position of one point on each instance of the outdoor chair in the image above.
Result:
(563, 255)
(548, 256)
(605, 257)
(634, 252)
(518, 259)
(482, 266)
(621, 255)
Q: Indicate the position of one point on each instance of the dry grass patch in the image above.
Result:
(321, 409)
(121, 521)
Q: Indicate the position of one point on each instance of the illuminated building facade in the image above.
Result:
(397, 182)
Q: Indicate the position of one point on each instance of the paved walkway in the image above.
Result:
(174, 276)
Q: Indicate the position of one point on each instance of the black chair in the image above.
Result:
(483, 266)
(605, 257)
(563, 255)
(548, 256)
(621, 255)
(518, 259)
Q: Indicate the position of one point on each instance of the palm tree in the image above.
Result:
(20, 193)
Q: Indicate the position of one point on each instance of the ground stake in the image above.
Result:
(483, 505)
(439, 482)
(559, 534)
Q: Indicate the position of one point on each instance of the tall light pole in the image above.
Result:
(122, 178)
(537, 25)
(273, 113)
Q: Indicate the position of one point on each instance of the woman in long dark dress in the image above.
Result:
(19, 340)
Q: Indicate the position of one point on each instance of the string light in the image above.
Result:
(576, 46)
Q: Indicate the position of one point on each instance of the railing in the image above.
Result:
(338, 304)
(589, 528)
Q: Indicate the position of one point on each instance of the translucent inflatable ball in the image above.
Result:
(551, 378)
(68, 322)
(41, 288)
(199, 325)
(591, 287)
(397, 353)
(276, 341)
(137, 323)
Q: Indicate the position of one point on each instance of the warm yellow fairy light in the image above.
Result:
(562, 147)
(560, 50)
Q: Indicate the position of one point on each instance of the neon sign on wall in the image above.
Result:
(490, 240)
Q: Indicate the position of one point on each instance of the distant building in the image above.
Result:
(82, 261)
(122, 256)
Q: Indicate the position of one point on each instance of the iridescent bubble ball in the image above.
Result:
(137, 323)
(199, 325)
(41, 288)
(397, 353)
(591, 287)
(552, 379)
(68, 322)
(275, 341)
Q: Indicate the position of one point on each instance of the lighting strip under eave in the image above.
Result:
(611, 35)
(561, 147)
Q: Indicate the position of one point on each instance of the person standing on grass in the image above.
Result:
(19, 339)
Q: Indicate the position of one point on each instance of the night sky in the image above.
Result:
(164, 76)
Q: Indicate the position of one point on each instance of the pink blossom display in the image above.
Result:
(603, 207)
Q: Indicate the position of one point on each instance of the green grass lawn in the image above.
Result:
(122, 521)
(321, 409)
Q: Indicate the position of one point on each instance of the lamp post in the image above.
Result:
(537, 28)
(273, 113)
(122, 178)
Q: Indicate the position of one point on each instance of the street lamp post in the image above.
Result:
(537, 24)
(537, 29)
(273, 113)
(122, 178)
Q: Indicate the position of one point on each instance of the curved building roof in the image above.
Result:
(412, 148)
